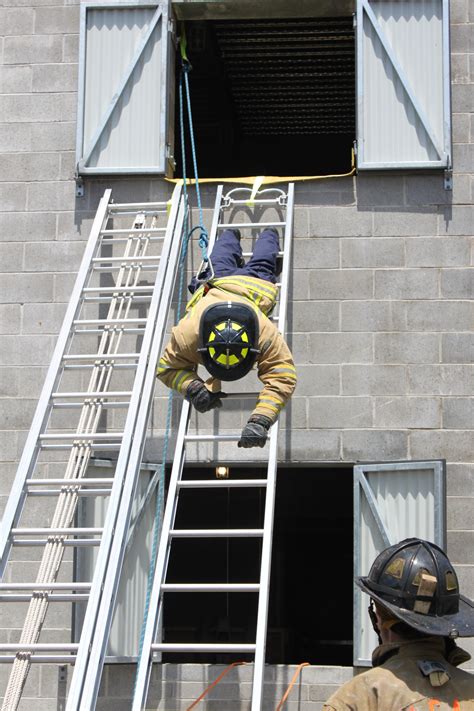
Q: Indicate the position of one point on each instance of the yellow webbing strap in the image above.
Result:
(258, 180)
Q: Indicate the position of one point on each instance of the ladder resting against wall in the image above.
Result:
(153, 647)
(96, 398)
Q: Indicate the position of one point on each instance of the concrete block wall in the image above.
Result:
(380, 317)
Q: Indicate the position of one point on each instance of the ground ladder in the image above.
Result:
(96, 398)
(152, 646)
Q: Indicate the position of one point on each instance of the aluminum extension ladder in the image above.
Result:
(152, 647)
(130, 262)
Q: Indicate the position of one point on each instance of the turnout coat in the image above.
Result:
(275, 367)
(409, 677)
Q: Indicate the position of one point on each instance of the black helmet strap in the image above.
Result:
(373, 619)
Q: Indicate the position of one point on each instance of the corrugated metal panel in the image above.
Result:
(408, 497)
(134, 137)
(391, 132)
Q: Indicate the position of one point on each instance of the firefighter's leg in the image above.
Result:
(263, 262)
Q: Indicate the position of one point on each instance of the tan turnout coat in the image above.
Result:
(275, 367)
(397, 683)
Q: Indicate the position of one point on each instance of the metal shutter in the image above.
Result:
(392, 502)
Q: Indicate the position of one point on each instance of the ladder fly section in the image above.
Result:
(90, 402)
(153, 647)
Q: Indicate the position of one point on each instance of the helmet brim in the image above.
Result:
(460, 624)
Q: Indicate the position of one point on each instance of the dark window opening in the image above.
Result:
(310, 611)
(271, 97)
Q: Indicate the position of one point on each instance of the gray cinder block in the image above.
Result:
(374, 380)
(403, 283)
(439, 316)
(372, 253)
(57, 20)
(458, 413)
(450, 379)
(373, 316)
(341, 284)
(400, 222)
(32, 49)
(339, 222)
(406, 347)
(437, 251)
(457, 347)
(340, 412)
(457, 283)
(374, 445)
(341, 348)
(308, 316)
(404, 413)
(452, 445)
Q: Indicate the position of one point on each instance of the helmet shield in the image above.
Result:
(396, 580)
(228, 334)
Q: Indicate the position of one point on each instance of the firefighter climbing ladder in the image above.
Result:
(151, 646)
(138, 265)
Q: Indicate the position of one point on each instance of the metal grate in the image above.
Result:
(290, 76)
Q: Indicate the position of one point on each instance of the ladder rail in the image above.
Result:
(143, 675)
(167, 534)
(90, 658)
(263, 600)
(31, 449)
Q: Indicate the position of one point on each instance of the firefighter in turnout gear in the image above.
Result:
(417, 612)
(226, 328)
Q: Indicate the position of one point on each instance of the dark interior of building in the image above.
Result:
(271, 97)
(310, 613)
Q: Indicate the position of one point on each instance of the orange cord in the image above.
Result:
(214, 683)
(292, 682)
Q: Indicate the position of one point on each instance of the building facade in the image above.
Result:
(380, 325)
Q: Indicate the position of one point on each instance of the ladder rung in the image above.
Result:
(45, 586)
(54, 597)
(83, 436)
(82, 482)
(80, 405)
(135, 235)
(242, 395)
(133, 231)
(41, 658)
(108, 298)
(262, 201)
(170, 647)
(119, 290)
(67, 543)
(39, 647)
(106, 321)
(79, 492)
(143, 267)
(100, 331)
(216, 533)
(210, 587)
(126, 260)
(101, 358)
(66, 447)
(96, 393)
(225, 483)
(240, 225)
(136, 206)
(56, 531)
(212, 438)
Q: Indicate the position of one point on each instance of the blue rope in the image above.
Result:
(185, 236)
(204, 237)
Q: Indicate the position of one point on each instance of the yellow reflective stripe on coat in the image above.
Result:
(180, 378)
(270, 291)
(287, 370)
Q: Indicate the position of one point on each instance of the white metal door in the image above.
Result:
(403, 84)
(392, 502)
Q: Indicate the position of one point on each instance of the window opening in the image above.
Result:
(310, 613)
(272, 97)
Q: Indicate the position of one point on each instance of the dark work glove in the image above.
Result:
(255, 432)
(202, 398)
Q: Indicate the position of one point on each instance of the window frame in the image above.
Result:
(362, 488)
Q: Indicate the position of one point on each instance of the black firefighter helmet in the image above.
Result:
(415, 581)
(228, 334)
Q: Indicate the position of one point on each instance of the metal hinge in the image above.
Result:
(448, 179)
(79, 186)
(354, 20)
(170, 156)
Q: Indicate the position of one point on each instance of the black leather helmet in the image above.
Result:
(228, 334)
(415, 581)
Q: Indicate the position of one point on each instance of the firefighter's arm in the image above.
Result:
(177, 366)
(277, 372)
